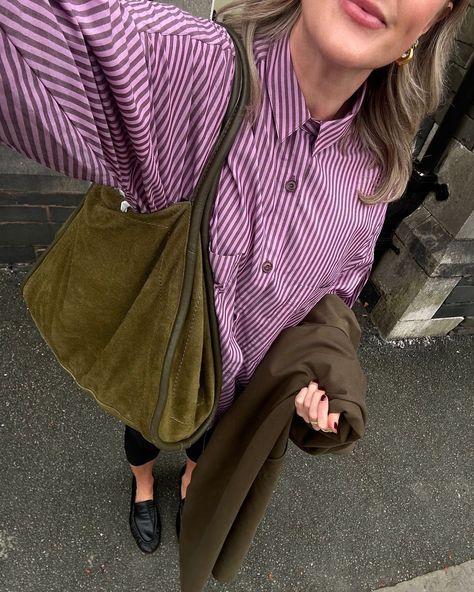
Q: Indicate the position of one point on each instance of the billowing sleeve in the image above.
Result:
(355, 274)
(102, 90)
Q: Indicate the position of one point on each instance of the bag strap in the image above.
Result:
(236, 114)
(231, 123)
(202, 200)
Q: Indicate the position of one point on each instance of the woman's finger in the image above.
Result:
(312, 390)
(322, 412)
(313, 410)
(308, 402)
(333, 421)
(300, 397)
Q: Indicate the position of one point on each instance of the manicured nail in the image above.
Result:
(323, 397)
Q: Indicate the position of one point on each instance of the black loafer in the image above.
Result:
(181, 502)
(145, 522)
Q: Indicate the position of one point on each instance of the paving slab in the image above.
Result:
(459, 578)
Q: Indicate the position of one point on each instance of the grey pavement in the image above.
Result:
(397, 508)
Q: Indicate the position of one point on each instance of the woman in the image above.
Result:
(131, 94)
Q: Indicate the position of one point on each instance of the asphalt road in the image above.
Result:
(398, 507)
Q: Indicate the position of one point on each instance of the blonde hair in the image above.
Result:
(397, 99)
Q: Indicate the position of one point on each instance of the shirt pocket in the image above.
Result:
(320, 279)
(314, 283)
(224, 269)
(307, 293)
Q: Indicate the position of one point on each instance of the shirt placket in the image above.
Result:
(291, 184)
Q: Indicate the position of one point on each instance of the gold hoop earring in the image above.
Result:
(407, 56)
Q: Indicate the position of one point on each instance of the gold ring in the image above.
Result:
(314, 422)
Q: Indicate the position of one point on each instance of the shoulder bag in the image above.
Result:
(125, 300)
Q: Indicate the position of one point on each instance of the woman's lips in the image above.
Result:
(361, 16)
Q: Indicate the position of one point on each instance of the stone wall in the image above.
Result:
(424, 285)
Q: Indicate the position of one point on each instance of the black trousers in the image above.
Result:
(140, 451)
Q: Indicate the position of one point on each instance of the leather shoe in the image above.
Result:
(179, 515)
(145, 522)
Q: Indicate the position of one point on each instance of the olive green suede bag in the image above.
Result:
(125, 300)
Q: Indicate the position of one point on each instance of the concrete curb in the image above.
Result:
(459, 578)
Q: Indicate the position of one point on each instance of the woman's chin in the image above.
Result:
(350, 57)
(350, 51)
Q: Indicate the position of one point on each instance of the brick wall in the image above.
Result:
(34, 202)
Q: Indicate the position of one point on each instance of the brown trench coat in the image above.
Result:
(237, 473)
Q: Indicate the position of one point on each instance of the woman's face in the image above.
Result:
(368, 34)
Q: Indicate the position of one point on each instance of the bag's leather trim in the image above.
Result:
(202, 200)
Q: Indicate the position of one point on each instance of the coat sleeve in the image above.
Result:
(328, 340)
(101, 90)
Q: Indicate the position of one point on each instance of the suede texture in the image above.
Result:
(234, 479)
(125, 301)
(105, 296)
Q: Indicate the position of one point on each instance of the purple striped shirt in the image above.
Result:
(131, 94)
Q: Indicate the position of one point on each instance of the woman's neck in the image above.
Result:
(327, 88)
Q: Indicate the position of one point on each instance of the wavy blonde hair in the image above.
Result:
(398, 98)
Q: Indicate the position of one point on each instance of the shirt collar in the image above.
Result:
(290, 112)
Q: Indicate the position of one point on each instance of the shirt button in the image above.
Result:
(291, 185)
(267, 267)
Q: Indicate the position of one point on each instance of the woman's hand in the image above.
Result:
(312, 405)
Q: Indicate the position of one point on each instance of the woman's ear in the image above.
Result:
(444, 12)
